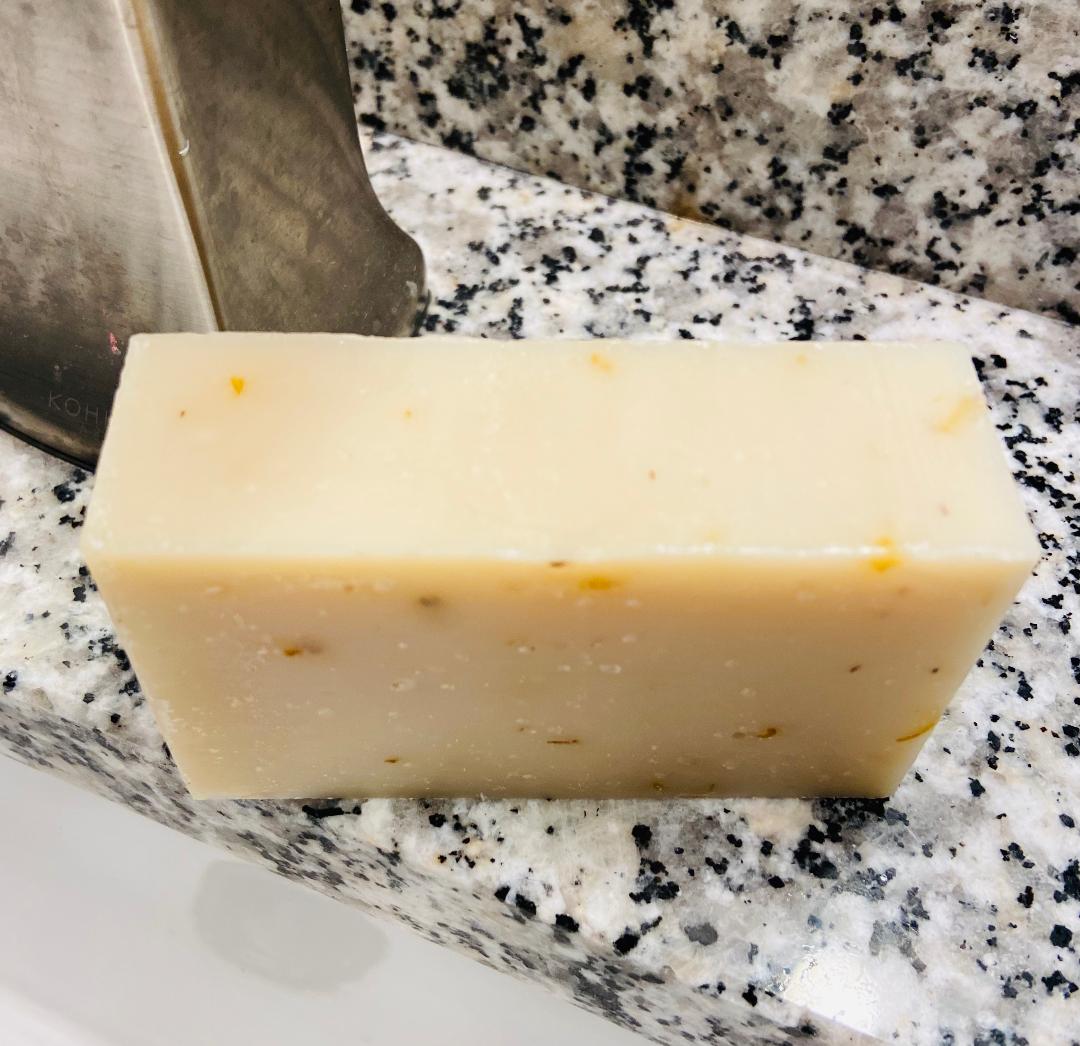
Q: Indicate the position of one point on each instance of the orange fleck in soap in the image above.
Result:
(597, 583)
(965, 409)
(886, 555)
(924, 729)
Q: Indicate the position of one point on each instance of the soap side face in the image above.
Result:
(766, 677)
(357, 566)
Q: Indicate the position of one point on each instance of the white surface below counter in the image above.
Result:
(119, 931)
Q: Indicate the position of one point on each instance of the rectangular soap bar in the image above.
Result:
(349, 566)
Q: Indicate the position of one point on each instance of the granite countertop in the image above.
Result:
(929, 138)
(949, 913)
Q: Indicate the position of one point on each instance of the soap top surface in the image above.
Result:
(324, 446)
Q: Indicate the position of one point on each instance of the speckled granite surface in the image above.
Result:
(939, 139)
(949, 914)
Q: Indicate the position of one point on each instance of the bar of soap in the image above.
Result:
(349, 566)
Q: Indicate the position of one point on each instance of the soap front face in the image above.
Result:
(355, 566)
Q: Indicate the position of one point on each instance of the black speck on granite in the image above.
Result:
(935, 916)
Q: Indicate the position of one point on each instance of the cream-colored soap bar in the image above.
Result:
(358, 566)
